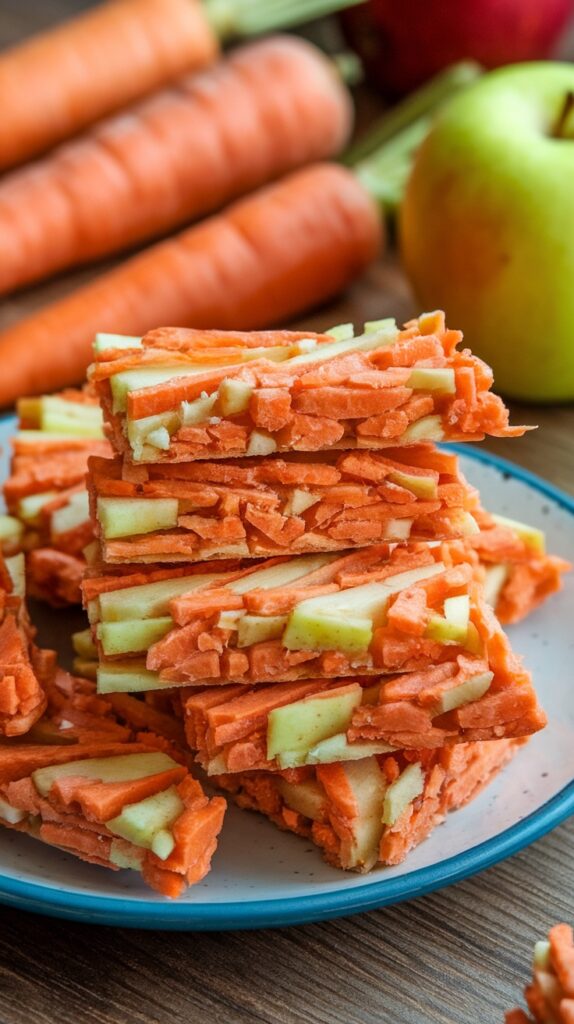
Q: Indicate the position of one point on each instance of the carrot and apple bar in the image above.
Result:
(383, 609)
(519, 574)
(191, 394)
(550, 994)
(25, 670)
(376, 810)
(46, 494)
(254, 508)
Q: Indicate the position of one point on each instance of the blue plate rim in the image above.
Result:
(250, 914)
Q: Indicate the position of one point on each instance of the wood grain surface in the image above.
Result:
(460, 956)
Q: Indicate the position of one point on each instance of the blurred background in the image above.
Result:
(381, 170)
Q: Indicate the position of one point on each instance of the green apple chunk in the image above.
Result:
(299, 501)
(234, 396)
(122, 768)
(428, 428)
(144, 822)
(123, 383)
(420, 486)
(125, 858)
(368, 786)
(147, 601)
(338, 748)
(471, 690)
(494, 580)
(261, 443)
(11, 530)
(532, 537)
(125, 517)
(132, 636)
(16, 566)
(307, 798)
(108, 342)
(431, 379)
(127, 677)
(453, 628)
(344, 621)
(30, 507)
(10, 814)
(75, 513)
(83, 644)
(255, 629)
(386, 334)
(541, 955)
(57, 415)
(199, 410)
(397, 529)
(301, 725)
(280, 575)
(402, 792)
(344, 332)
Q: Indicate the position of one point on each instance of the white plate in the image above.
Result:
(264, 877)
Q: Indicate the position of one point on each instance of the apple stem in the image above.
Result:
(560, 129)
(382, 160)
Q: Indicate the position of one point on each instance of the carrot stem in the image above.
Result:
(236, 19)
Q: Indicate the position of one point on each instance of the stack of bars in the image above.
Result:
(287, 583)
(353, 684)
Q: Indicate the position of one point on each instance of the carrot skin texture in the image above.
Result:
(271, 107)
(61, 80)
(286, 248)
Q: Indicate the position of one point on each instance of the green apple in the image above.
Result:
(421, 486)
(532, 537)
(487, 225)
(30, 507)
(428, 428)
(74, 513)
(125, 857)
(299, 726)
(126, 517)
(11, 814)
(385, 334)
(494, 580)
(342, 332)
(472, 689)
(307, 798)
(126, 381)
(16, 566)
(280, 575)
(147, 822)
(11, 530)
(431, 379)
(132, 636)
(147, 601)
(255, 629)
(338, 748)
(127, 677)
(122, 768)
(541, 955)
(83, 644)
(234, 396)
(402, 792)
(299, 501)
(261, 443)
(368, 786)
(107, 342)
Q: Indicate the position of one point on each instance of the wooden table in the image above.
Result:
(454, 957)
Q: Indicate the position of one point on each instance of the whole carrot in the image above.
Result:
(56, 83)
(190, 149)
(282, 250)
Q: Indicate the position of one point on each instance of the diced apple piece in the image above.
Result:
(16, 566)
(398, 529)
(149, 600)
(125, 517)
(338, 748)
(428, 428)
(445, 632)
(303, 724)
(531, 535)
(494, 580)
(541, 956)
(132, 636)
(402, 792)
(467, 524)
(141, 822)
(11, 530)
(140, 431)
(299, 501)
(108, 342)
(29, 508)
(121, 768)
(280, 575)
(163, 844)
(307, 798)
(433, 379)
(368, 786)
(473, 643)
(73, 514)
(147, 376)
(261, 443)
(10, 814)
(471, 690)
(309, 629)
(199, 410)
(159, 439)
(457, 611)
(57, 415)
(421, 486)
(83, 644)
(254, 629)
(127, 677)
(230, 619)
(344, 332)
(275, 353)
(371, 326)
(125, 858)
(234, 396)
(386, 334)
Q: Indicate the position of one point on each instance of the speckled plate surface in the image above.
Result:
(263, 877)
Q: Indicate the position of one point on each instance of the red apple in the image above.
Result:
(402, 43)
